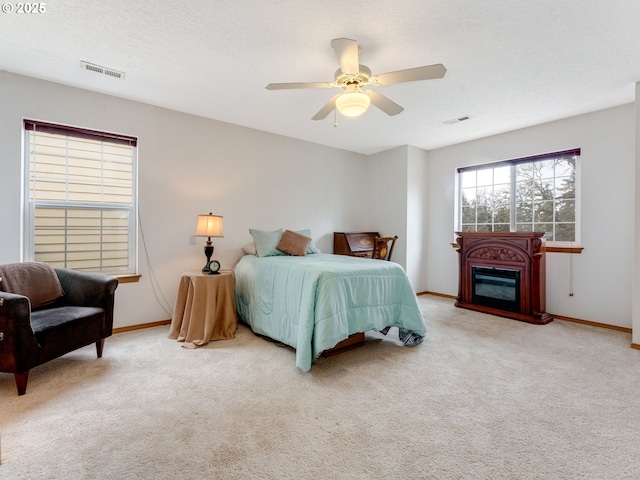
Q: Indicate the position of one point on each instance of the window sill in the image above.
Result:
(550, 249)
(133, 278)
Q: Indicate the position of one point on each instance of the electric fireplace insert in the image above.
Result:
(496, 287)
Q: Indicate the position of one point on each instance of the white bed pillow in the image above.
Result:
(249, 249)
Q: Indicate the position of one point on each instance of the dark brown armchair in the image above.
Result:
(63, 310)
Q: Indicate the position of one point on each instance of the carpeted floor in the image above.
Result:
(482, 398)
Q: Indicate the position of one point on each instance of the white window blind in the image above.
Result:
(81, 197)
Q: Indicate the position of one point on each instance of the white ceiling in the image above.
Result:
(510, 64)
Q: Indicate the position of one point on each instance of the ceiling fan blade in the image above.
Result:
(428, 72)
(327, 109)
(287, 86)
(347, 53)
(383, 103)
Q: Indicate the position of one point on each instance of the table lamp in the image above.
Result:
(209, 226)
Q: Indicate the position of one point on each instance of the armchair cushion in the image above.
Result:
(34, 280)
(60, 330)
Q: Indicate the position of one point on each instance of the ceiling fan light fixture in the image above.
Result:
(353, 103)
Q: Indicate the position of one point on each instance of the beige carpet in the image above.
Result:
(482, 398)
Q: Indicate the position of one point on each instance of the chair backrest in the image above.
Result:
(383, 247)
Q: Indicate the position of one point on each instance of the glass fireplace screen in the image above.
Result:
(496, 287)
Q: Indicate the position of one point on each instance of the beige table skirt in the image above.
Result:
(205, 309)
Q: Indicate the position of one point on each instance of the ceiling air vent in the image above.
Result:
(109, 72)
(457, 120)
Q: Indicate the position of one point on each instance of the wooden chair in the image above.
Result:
(383, 247)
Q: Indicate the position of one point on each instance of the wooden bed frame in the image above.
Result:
(353, 341)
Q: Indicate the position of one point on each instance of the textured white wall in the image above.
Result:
(386, 197)
(602, 274)
(417, 221)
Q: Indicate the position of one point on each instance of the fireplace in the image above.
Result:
(503, 274)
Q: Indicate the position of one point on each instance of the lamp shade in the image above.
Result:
(353, 102)
(209, 226)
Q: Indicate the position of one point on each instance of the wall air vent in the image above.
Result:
(457, 120)
(109, 72)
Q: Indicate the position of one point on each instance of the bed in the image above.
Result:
(313, 302)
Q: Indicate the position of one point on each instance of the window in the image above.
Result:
(81, 198)
(538, 193)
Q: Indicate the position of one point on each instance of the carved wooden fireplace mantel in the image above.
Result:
(503, 274)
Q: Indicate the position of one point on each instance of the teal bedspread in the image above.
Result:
(313, 302)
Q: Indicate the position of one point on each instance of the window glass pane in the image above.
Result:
(524, 172)
(502, 175)
(565, 187)
(485, 177)
(483, 214)
(468, 196)
(545, 169)
(542, 190)
(524, 212)
(468, 179)
(484, 196)
(502, 216)
(524, 192)
(543, 212)
(565, 167)
(565, 211)
(565, 232)
(468, 215)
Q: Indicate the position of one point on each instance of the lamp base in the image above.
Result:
(208, 251)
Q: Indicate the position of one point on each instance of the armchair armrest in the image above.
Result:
(18, 344)
(87, 289)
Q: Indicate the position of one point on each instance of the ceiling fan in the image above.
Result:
(353, 77)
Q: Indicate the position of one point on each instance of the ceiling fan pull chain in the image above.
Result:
(335, 118)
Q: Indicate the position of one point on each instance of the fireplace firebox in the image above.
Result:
(503, 274)
(496, 287)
